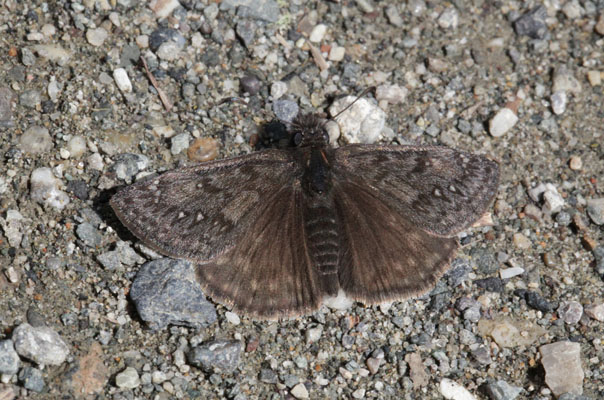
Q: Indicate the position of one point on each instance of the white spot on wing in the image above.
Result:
(181, 215)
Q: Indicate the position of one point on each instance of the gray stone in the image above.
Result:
(562, 364)
(89, 235)
(127, 165)
(532, 23)
(6, 107)
(31, 378)
(9, 359)
(246, 31)
(127, 379)
(264, 10)
(216, 355)
(13, 226)
(36, 140)
(501, 390)
(164, 35)
(165, 291)
(179, 142)
(285, 110)
(30, 98)
(40, 344)
(595, 210)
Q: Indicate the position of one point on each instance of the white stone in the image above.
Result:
(510, 272)
(127, 379)
(97, 36)
(339, 302)
(95, 162)
(503, 121)
(36, 140)
(317, 33)
(13, 226)
(559, 100)
(53, 53)
(163, 8)
(393, 94)
(313, 334)
(362, 122)
(232, 318)
(572, 9)
(299, 391)
(179, 143)
(337, 53)
(453, 390)
(122, 81)
(45, 189)
(595, 311)
(278, 89)
(449, 18)
(76, 146)
(553, 201)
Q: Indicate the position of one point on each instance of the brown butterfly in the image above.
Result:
(275, 233)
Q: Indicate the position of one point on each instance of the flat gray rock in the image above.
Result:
(216, 355)
(165, 292)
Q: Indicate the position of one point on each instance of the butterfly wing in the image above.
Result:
(398, 207)
(240, 220)
(438, 189)
(269, 273)
(200, 212)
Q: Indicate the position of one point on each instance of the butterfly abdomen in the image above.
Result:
(322, 236)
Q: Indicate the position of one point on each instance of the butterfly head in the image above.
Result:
(309, 130)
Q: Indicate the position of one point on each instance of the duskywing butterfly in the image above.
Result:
(274, 233)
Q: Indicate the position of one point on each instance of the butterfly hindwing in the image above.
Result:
(384, 257)
(269, 273)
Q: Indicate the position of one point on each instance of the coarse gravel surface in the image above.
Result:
(520, 314)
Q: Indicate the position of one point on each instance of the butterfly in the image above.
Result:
(274, 234)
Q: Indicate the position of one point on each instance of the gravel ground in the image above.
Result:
(519, 315)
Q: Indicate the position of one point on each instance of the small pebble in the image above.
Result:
(508, 273)
(449, 18)
(97, 36)
(600, 24)
(595, 311)
(501, 390)
(278, 89)
(44, 189)
(393, 94)
(363, 122)
(250, 84)
(570, 311)
(521, 241)
(559, 100)
(32, 379)
(503, 121)
(594, 78)
(36, 140)
(575, 163)
(9, 359)
(122, 81)
(336, 53)
(313, 334)
(232, 318)
(203, 149)
(595, 210)
(128, 379)
(317, 33)
(454, 391)
(179, 143)
(299, 391)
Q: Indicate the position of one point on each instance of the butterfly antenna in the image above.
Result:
(363, 93)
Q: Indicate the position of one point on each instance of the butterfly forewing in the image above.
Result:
(437, 189)
(199, 212)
